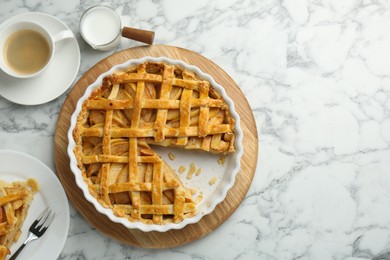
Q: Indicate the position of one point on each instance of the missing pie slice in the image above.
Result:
(15, 199)
(153, 103)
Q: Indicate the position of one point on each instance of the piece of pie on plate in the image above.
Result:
(152, 103)
(15, 199)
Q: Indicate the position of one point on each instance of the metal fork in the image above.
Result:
(37, 229)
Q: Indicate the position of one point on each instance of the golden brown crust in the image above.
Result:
(4, 251)
(151, 103)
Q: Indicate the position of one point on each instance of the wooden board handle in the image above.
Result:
(138, 35)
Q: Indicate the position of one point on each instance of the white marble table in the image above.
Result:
(317, 75)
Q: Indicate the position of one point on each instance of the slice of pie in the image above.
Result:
(152, 103)
(15, 199)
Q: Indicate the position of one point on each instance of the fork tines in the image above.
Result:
(43, 221)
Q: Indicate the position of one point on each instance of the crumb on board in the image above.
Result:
(182, 169)
(198, 171)
(213, 181)
(221, 160)
(191, 171)
(171, 156)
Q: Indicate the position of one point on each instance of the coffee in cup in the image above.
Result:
(26, 51)
(27, 48)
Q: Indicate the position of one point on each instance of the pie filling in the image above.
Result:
(153, 103)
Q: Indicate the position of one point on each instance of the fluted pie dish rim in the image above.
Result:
(226, 179)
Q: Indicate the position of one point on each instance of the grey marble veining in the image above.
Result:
(317, 76)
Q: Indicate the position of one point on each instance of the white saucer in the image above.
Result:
(58, 77)
(17, 166)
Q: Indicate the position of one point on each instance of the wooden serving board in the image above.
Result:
(191, 232)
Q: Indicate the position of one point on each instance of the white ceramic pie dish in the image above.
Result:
(211, 169)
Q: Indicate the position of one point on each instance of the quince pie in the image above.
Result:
(152, 103)
(15, 199)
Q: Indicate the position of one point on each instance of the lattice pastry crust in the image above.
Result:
(153, 103)
(15, 199)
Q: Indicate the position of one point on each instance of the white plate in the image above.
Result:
(56, 79)
(16, 166)
(212, 194)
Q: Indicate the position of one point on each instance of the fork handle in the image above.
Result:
(13, 257)
(30, 238)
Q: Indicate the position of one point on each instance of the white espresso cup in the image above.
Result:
(28, 48)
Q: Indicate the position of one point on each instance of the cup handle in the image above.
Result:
(66, 34)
